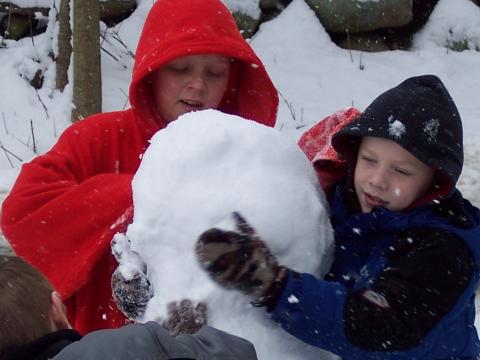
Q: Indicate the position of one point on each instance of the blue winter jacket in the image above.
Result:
(378, 302)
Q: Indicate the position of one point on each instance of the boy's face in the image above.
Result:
(189, 83)
(388, 176)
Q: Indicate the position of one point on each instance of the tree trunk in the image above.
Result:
(64, 45)
(87, 82)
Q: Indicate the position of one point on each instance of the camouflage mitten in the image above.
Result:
(131, 296)
(241, 260)
(131, 290)
(184, 318)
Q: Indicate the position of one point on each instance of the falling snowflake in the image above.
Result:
(431, 129)
(395, 127)
(292, 299)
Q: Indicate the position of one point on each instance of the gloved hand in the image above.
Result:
(183, 318)
(133, 291)
(131, 296)
(241, 260)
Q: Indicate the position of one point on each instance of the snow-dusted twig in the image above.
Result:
(30, 26)
(54, 126)
(4, 123)
(360, 64)
(43, 104)
(302, 124)
(117, 37)
(34, 144)
(104, 39)
(6, 155)
(289, 105)
(349, 46)
(113, 57)
(7, 152)
(103, 36)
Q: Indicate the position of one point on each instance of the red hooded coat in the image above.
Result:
(67, 204)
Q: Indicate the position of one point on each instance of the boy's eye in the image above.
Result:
(403, 172)
(367, 159)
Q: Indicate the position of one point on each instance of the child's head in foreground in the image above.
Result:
(29, 306)
(406, 149)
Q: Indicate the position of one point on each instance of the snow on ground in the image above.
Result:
(313, 76)
(248, 7)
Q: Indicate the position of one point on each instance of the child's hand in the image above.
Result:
(131, 296)
(183, 318)
(131, 288)
(241, 260)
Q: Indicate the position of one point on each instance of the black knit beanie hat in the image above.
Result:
(419, 115)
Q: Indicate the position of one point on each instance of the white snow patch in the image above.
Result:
(247, 7)
(395, 127)
(195, 173)
(292, 299)
(431, 129)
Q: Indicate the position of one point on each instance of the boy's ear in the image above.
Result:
(58, 315)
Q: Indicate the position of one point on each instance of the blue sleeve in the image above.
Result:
(312, 310)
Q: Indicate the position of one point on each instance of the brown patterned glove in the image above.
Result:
(241, 260)
(131, 293)
(184, 318)
(131, 296)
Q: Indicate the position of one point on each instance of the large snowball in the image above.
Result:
(195, 173)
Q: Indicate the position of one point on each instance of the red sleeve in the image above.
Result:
(65, 207)
(316, 143)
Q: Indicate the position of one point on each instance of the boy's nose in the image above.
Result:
(378, 179)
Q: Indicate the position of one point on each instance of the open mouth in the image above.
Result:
(192, 103)
(374, 201)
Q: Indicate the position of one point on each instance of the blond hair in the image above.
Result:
(25, 303)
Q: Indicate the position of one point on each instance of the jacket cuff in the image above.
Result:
(274, 292)
(312, 310)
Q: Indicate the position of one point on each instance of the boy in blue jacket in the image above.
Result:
(406, 267)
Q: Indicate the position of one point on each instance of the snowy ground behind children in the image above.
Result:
(314, 77)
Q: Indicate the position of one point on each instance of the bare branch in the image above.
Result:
(117, 37)
(4, 123)
(34, 144)
(289, 105)
(9, 152)
(6, 154)
(43, 104)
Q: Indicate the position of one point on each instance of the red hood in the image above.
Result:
(177, 28)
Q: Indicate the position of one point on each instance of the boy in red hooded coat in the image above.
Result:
(67, 204)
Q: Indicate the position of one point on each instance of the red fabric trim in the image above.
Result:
(317, 146)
